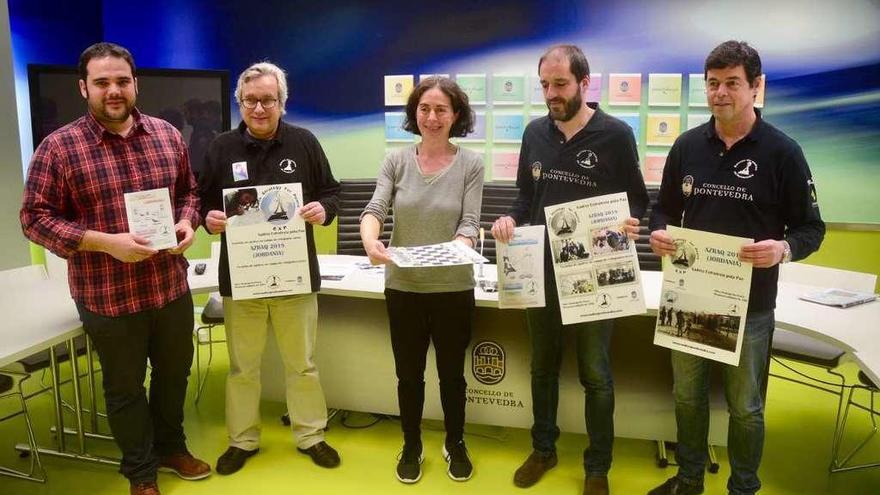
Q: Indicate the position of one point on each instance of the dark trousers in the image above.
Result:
(144, 429)
(416, 320)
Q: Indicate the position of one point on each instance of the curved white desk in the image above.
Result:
(357, 367)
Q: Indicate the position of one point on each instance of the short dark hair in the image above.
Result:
(101, 50)
(577, 61)
(734, 53)
(462, 126)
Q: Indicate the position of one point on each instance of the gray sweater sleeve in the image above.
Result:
(469, 226)
(382, 196)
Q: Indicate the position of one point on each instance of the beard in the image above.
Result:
(104, 113)
(570, 108)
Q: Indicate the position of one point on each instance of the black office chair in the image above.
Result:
(11, 385)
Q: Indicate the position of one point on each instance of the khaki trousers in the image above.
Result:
(294, 321)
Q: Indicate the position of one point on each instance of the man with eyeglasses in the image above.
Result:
(265, 150)
(734, 175)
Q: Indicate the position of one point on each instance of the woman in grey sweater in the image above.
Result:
(435, 189)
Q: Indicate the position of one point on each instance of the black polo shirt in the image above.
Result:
(761, 188)
(293, 155)
(602, 158)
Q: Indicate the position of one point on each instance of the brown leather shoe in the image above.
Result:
(186, 466)
(596, 485)
(322, 455)
(535, 466)
(145, 488)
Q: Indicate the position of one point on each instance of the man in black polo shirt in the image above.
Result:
(740, 176)
(577, 151)
(265, 150)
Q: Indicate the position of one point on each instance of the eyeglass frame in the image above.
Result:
(244, 102)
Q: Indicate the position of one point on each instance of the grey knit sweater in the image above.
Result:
(429, 210)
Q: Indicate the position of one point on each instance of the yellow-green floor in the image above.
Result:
(796, 456)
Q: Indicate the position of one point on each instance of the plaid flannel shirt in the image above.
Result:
(76, 182)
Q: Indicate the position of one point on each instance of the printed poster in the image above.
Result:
(505, 165)
(594, 261)
(625, 89)
(633, 120)
(705, 296)
(397, 90)
(394, 128)
(521, 269)
(266, 241)
(508, 89)
(663, 128)
(697, 119)
(697, 91)
(450, 253)
(479, 134)
(507, 127)
(664, 90)
(654, 163)
(474, 85)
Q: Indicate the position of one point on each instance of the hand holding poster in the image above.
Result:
(594, 261)
(150, 216)
(705, 296)
(266, 241)
(521, 269)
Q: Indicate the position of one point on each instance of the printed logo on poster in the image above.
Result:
(587, 159)
(487, 362)
(685, 254)
(278, 205)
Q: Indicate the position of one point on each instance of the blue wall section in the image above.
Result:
(822, 63)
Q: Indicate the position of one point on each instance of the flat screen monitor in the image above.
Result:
(196, 102)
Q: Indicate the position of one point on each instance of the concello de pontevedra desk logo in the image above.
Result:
(487, 362)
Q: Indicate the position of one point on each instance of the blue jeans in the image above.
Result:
(743, 389)
(594, 370)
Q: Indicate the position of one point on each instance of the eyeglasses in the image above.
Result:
(251, 103)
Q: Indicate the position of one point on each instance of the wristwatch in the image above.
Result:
(786, 252)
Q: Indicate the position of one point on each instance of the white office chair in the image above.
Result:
(212, 315)
(807, 350)
(10, 385)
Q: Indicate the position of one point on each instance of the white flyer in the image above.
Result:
(521, 269)
(150, 215)
(705, 296)
(266, 241)
(450, 253)
(594, 262)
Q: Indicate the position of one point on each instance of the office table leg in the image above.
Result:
(60, 431)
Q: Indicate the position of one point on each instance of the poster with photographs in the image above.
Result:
(594, 262)
(521, 269)
(266, 241)
(705, 296)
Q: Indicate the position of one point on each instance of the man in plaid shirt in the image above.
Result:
(133, 300)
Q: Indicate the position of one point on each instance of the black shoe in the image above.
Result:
(233, 459)
(322, 455)
(409, 469)
(460, 467)
(675, 486)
